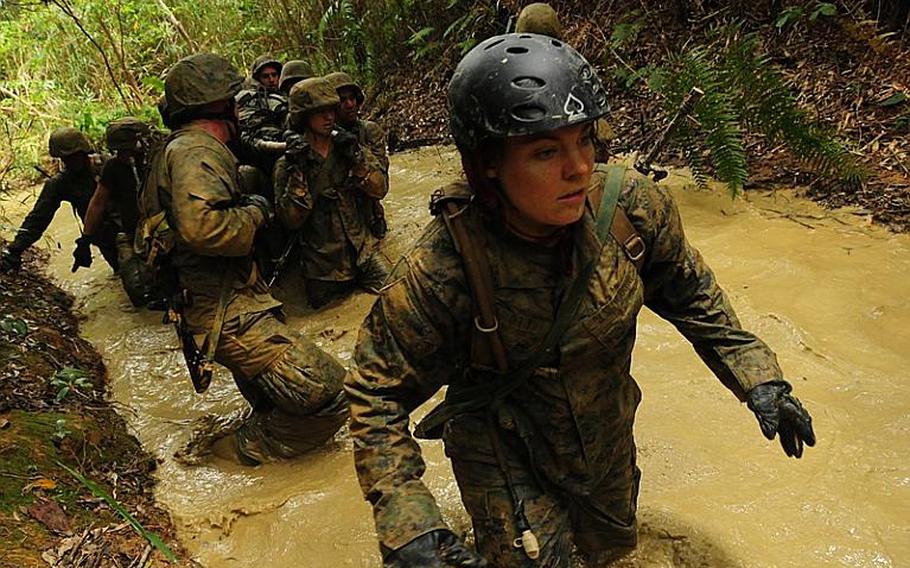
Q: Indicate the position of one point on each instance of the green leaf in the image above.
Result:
(15, 326)
(153, 538)
(823, 9)
(153, 83)
(894, 100)
(61, 394)
(420, 36)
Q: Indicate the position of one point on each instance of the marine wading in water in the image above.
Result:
(521, 296)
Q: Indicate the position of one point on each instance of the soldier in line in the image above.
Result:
(128, 139)
(524, 300)
(198, 226)
(322, 185)
(262, 110)
(371, 138)
(75, 183)
(292, 73)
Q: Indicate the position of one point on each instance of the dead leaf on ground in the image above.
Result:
(49, 514)
(43, 483)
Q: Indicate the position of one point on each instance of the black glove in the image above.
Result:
(10, 261)
(296, 146)
(82, 254)
(345, 142)
(261, 202)
(779, 412)
(435, 549)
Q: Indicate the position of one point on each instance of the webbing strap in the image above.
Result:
(473, 398)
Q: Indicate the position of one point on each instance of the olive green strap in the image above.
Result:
(484, 395)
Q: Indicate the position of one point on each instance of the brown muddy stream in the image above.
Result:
(828, 292)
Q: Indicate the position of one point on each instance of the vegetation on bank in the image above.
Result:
(75, 486)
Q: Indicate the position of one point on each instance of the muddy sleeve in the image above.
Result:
(404, 355)
(208, 218)
(372, 166)
(681, 288)
(293, 199)
(94, 215)
(41, 215)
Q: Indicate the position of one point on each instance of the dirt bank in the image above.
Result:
(845, 72)
(54, 416)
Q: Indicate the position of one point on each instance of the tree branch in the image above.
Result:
(68, 10)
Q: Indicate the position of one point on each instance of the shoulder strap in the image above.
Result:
(485, 394)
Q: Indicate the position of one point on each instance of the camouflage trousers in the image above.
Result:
(371, 274)
(601, 524)
(294, 388)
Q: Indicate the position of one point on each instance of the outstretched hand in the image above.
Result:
(780, 413)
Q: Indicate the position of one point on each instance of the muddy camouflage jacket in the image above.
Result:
(319, 198)
(582, 405)
(262, 115)
(198, 183)
(76, 188)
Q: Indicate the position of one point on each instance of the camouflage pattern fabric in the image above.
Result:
(65, 141)
(76, 188)
(574, 415)
(316, 197)
(291, 384)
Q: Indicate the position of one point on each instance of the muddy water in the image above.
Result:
(825, 290)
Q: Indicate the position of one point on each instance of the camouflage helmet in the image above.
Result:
(127, 133)
(309, 95)
(341, 80)
(66, 141)
(539, 18)
(264, 61)
(294, 70)
(198, 80)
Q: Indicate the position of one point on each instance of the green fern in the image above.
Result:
(744, 91)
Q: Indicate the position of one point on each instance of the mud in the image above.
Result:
(825, 289)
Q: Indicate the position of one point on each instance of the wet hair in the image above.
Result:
(475, 163)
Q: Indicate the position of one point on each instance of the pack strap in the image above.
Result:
(473, 398)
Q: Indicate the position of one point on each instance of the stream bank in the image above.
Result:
(54, 414)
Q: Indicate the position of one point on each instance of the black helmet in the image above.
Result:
(519, 84)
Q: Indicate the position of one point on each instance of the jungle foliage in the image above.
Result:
(87, 62)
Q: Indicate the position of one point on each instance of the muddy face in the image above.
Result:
(830, 300)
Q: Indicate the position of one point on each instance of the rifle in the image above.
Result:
(282, 260)
(643, 163)
(198, 365)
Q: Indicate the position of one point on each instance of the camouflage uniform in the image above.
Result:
(574, 415)
(293, 386)
(77, 188)
(328, 201)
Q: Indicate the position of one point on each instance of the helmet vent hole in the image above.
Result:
(516, 50)
(531, 83)
(494, 44)
(528, 113)
(524, 36)
(556, 43)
